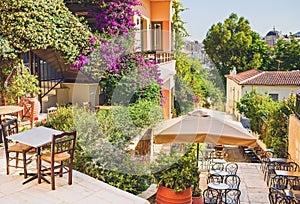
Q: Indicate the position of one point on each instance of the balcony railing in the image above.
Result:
(159, 56)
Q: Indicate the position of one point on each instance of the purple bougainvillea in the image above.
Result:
(114, 17)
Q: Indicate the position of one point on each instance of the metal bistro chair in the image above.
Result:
(12, 150)
(60, 157)
(210, 196)
(231, 196)
(214, 179)
(231, 168)
(233, 181)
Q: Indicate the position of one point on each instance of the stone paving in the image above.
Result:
(84, 189)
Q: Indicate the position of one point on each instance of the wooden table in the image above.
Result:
(6, 110)
(35, 137)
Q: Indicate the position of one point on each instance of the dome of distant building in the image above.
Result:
(297, 34)
(273, 33)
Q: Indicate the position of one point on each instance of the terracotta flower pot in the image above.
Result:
(168, 196)
(198, 200)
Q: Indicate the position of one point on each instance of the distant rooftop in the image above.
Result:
(268, 78)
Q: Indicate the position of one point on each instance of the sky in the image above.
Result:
(262, 15)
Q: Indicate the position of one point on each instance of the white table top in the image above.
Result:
(219, 161)
(218, 172)
(218, 186)
(35, 137)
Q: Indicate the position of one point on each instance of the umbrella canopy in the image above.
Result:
(201, 127)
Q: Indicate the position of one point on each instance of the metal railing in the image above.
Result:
(159, 56)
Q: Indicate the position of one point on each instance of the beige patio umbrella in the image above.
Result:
(199, 127)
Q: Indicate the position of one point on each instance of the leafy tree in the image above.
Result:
(178, 25)
(268, 118)
(277, 126)
(287, 54)
(256, 106)
(233, 44)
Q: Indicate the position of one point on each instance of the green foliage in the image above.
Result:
(183, 96)
(277, 126)
(193, 85)
(178, 25)
(23, 84)
(32, 25)
(256, 107)
(63, 120)
(145, 113)
(180, 173)
(268, 118)
(233, 44)
(287, 54)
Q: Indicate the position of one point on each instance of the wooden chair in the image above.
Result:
(60, 157)
(12, 151)
(27, 115)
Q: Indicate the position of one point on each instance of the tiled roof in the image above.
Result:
(244, 75)
(268, 78)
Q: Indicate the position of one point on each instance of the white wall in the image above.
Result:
(283, 92)
(81, 92)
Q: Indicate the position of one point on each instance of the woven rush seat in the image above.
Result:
(57, 157)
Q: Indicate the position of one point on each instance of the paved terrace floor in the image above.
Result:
(84, 189)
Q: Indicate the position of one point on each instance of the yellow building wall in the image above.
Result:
(233, 95)
(294, 138)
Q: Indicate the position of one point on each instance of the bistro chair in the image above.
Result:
(276, 196)
(51, 111)
(27, 115)
(12, 150)
(214, 178)
(231, 196)
(231, 168)
(291, 166)
(210, 196)
(278, 182)
(60, 157)
(217, 166)
(233, 181)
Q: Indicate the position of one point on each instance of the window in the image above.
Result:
(274, 97)
(156, 35)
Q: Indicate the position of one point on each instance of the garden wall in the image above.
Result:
(294, 139)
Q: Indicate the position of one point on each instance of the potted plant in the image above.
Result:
(21, 84)
(175, 181)
(197, 192)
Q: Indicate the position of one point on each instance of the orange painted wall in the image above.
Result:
(145, 8)
(167, 109)
(161, 10)
(294, 138)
